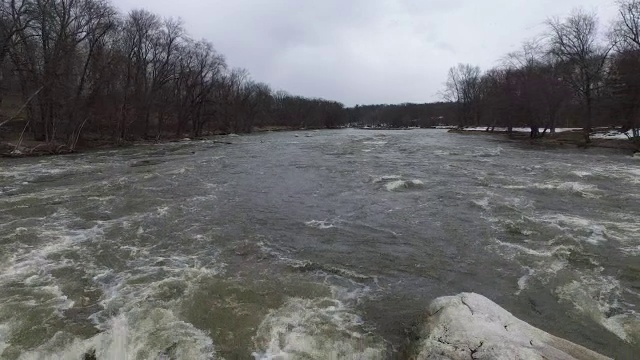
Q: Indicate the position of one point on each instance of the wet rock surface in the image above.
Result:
(469, 325)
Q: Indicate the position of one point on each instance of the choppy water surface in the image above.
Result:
(313, 245)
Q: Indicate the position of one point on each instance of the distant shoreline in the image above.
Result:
(559, 139)
(31, 148)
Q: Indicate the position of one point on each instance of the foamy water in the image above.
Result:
(329, 246)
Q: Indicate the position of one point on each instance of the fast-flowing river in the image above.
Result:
(325, 244)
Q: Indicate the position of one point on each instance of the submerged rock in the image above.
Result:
(470, 326)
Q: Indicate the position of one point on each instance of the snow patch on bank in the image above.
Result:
(613, 134)
(517, 129)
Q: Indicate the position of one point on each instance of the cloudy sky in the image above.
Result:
(364, 51)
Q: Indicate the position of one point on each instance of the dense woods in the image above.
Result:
(402, 115)
(79, 68)
(578, 74)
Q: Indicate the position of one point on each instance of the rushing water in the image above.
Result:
(322, 244)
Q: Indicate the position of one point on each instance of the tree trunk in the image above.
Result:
(588, 119)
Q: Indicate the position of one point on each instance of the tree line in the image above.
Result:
(406, 115)
(80, 67)
(578, 74)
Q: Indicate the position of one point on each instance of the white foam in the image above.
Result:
(179, 171)
(487, 152)
(386, 178)
(585, 190)
(320, 224)
(577, 187)
(539, 253)
(379, 143)
(137, 334)
(483, 203)
(315, 329)
(631, 250)
(582, 173)
(596, 295)
(524, 279)
(4, 335)
(398, 185)
(596, 233)
(138, 324)
(35, 261)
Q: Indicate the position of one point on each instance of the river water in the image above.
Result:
(326, 244)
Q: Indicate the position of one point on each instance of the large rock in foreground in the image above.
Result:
(470, 326)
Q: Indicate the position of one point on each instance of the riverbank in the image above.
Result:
(14, 148)
(559, 139)
(563, 138)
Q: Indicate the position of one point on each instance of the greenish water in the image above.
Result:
(325, 244)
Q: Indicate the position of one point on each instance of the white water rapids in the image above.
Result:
(281, 246)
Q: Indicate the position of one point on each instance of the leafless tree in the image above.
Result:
(82, 67)
(575, 42)
(626, 29)
(625, 77)
(463, 88)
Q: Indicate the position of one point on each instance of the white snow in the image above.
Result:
(517, 129)
(612, 134)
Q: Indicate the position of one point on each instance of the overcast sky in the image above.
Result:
(364, 51)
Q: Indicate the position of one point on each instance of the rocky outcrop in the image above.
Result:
(470, 326)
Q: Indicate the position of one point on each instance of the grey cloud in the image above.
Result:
(364, 51)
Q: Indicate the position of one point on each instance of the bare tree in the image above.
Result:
(537, 90)
(83, 68)
(463, 88)
(14, 18)
(575, 42)
(626, 29)
(625, 78)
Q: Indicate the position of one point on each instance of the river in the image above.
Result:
(325, 244)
